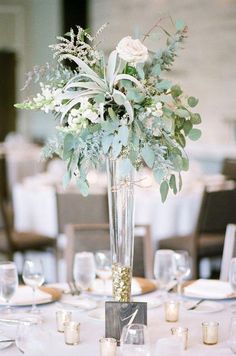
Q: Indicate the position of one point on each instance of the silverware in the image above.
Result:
(196, 304)
(7, 340)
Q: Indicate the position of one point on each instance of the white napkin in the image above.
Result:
(208, 288)
(98, 287)
(24, 296)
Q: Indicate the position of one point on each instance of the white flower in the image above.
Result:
(132, 51)
(158, 110)
(91, 115)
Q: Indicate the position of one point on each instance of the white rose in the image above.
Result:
(132, 51)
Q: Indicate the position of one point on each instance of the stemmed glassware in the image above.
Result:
(8, 282)
(134, 340)
(103, 266)
(182, 267)
(232, 273)
(33, 276)
(84, 270)
(164, 269)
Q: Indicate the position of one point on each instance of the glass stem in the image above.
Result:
(8, 307)
(33, 300)
(179, 287)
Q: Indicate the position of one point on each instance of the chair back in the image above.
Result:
(218, 209)
(6, 245)
(73, 208)
(94, 237)
(229, 251)
(229, 168)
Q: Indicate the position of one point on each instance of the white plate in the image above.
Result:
(97, 314)
(82, 304)
(205, 307)
(4, 345)
(151, 303)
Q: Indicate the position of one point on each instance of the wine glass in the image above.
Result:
(232, 335)
(8, 282)
(33, 276)
(84, 270)
(182, 267)
(103, 266)
(164, 269)
(232, 273)
(134, 340)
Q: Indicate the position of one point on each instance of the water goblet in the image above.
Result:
(164, 269)
(232, 273)
(33, 276)
(232, 335)
(134, 340)
(84, 270)
(103, 266)
(8, 282)
(182, 267)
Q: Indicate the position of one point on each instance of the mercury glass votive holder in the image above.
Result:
(108, 346)
(210, 332)
(72, 333)
(62, 317)
(171, 308)
(182, 333)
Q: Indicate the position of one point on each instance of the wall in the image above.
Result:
(28, 27)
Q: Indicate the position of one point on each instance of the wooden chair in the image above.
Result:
(229, 168)
(93, 237)
(73, 208)
(12, 241)
(218, 208)
(229, 251)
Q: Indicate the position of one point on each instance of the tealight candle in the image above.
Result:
(210, 332)
(62, 316)
(107, 346)
(181, 333)
(72, 333)
(171, 310)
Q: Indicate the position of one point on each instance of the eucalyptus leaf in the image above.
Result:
(176, 91)
(172, 183)
(164, 188)
(194, 134)
(111, 113)
(66, 179)
(83, 186)
(125, 167)
(182, 113)
(106, 143)
(196, 119)
(179, 24)
(187, 127)
(164, 85)
(123, 134)
(159, 174)
(148, 155)
(192, 102)
(116, 146)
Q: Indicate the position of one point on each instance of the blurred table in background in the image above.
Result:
(35, 204)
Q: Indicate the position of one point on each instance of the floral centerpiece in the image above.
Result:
(122, 110)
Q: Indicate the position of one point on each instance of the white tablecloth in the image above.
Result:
(92, 330)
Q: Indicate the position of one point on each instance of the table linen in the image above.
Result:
(92, 330)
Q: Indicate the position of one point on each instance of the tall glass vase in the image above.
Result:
(121, 217)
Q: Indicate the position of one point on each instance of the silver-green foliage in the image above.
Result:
(127, 99)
